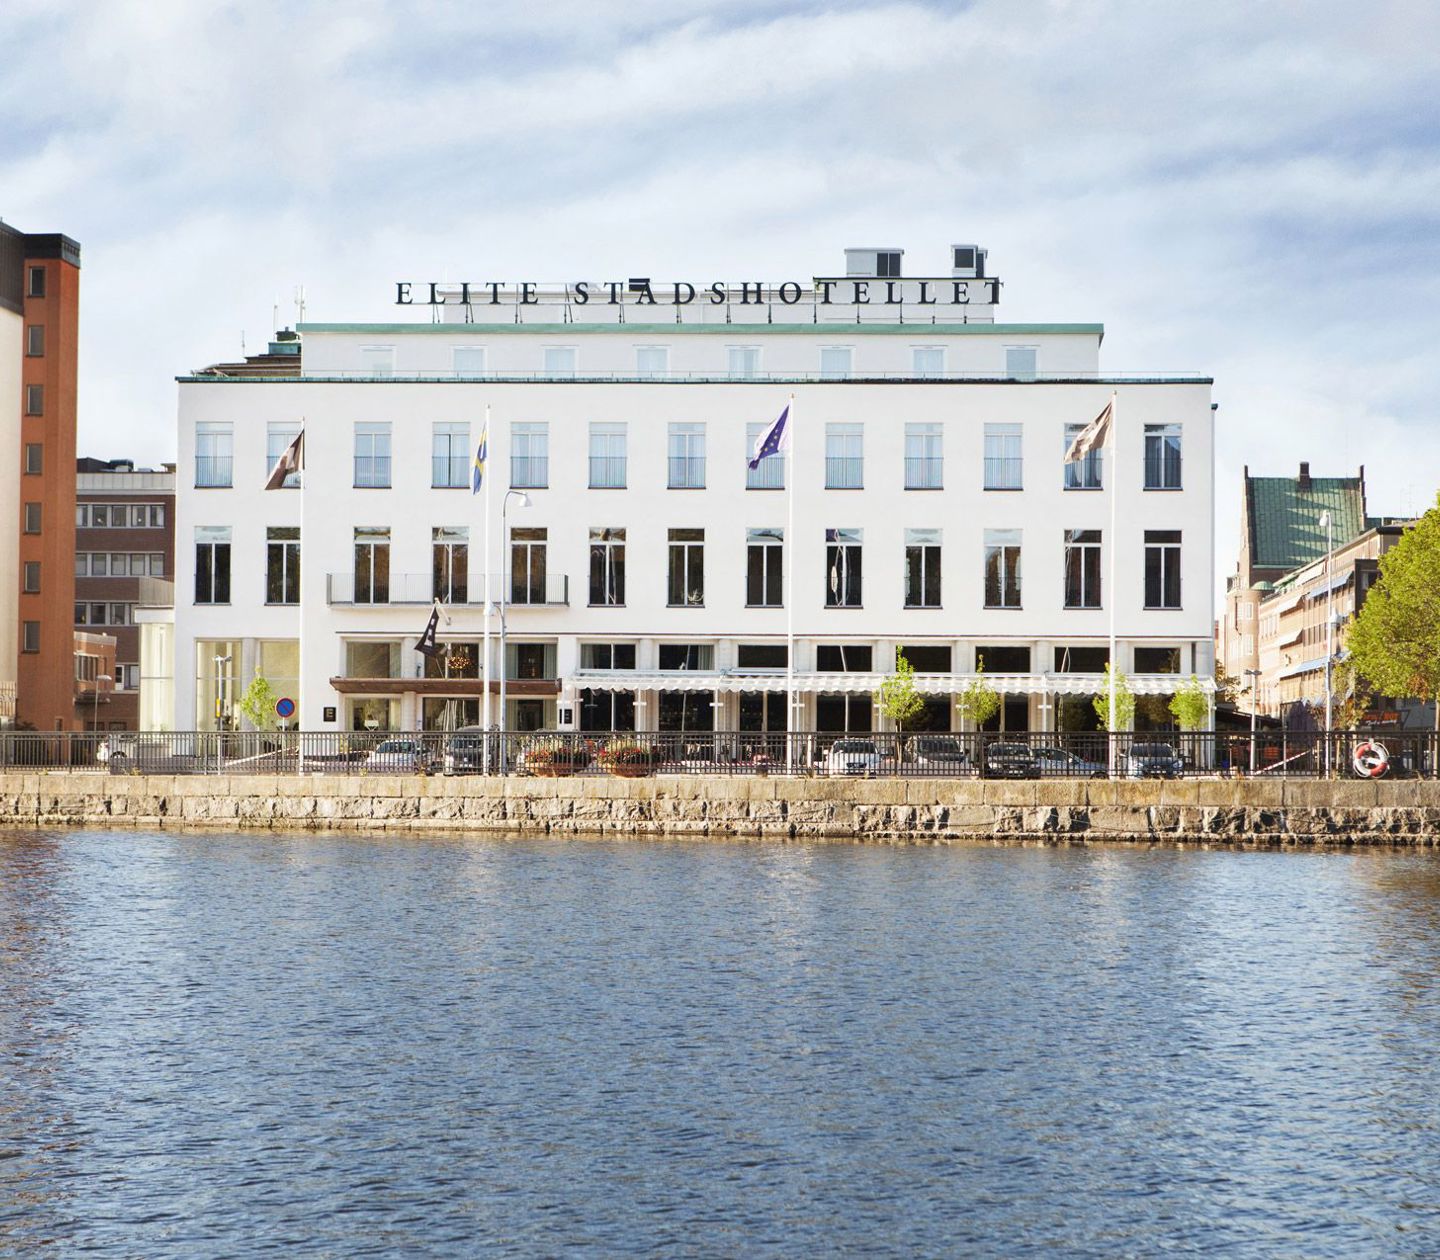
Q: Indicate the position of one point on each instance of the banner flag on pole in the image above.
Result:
(292, 460)
(774, 440)
(1093, 435)
(427, 645)
(478, 474)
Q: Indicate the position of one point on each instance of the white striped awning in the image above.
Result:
(863, 684)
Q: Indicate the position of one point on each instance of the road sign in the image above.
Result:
(285, 707)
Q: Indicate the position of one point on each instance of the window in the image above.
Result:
(449, 455)
(372, 564)
(652, 360)
(212, 564)
(687, 568)
(1002, 568)
(1082, 568)
(559, 361)
(887, 263)
(32, 577)
(457, 658)
(214, 448)
(1245, 612)
(527, 565)
(377, 360)
(928, 361)
(606, 710)
(372, 455)
(29, 636)
(450, 563)
(156, 515)
(1001, 659)
(530, 456)
(530, 660)
(36, 286)
(843, 560)
(468, 360)
(282, 564)
(1162, 568)
(1020, 363)
(769, 473)
(687, 456)
(1157, 660)
(844, 456)
(372, 659)
(922, 568)
(35, 340)
(835, 362)
(761, 656)
(32, 518)
(1081, 660)
(926, 658)
(1003, 466)
(278, 435)
(34, 459)
(1162, 457)
(924, 456)
(764, 568)
(744, 361)
(607, 656)
(607, 567)
(844, 658)
(34, 400)
(127, 677)
(1086, 473)
(607, 456)
(687, 656)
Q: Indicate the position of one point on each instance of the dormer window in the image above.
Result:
(887, 264)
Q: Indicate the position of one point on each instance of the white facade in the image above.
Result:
(865, 394)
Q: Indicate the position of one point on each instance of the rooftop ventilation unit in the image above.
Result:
(967, 262)
(883, 264)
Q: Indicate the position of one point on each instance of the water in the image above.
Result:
(241, 1045)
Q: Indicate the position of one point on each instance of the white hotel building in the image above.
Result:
(644, 570)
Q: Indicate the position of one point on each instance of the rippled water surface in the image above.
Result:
(240, 1045)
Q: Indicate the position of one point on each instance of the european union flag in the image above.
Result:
(478, 475)
(774, 440)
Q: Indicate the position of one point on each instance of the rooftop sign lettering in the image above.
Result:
(867, 291)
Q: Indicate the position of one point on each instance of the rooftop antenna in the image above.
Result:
(300, 303)
(242, 342)
(275, 315)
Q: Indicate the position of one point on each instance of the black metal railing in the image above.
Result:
(1028, 755)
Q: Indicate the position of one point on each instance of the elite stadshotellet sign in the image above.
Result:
(641, 292)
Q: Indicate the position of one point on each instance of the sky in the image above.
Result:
(1243, 189)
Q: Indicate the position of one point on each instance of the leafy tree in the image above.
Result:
(1190, 706)
(897, 697)
(1356, 701)
(978, 700)
(1395, 641)
(257, 704)
(1227, 686)
(1124, 702)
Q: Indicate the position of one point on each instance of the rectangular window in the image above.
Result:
(559, 361)
(1002, 568)
(652, 360)
(607, 455)
(761, 656)
(156, 514)
(1020, 362)
(127, 677)
(214, 451)
(687, 656)
(468, 360)
(282, 564)
(687, 456)
(686, 586)
(844, 658)
(32, 577)
(764, 568)
(1001, 659)
(1081, 660)
(922, 568)
(34, 400)
(607, 656)
(1162, 457)
(1086, 473)
(449, 455)
(370, 659)
(377, 360)
(928, 362)
(743, 361)
(32, 518)
(769, 473)
(35, 340)
(843, 563)
(530, 455)
(887, 263)
(527, 565)
(34, 459)
(607, 567)
(1003, 457)
(835, 362)
(278, 435)
(36, 285)
(450, 563)
(926, 658)
(212, 564)
(844, 456)
(1157, 660)
(29, 636)
(924, 456)
(372, 564)
(1082, 568)
(1162, 568)
(372, 455)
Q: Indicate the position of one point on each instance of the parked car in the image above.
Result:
(399, 756)
(854, 756)
(1153, 761)
(1010, 761)
(1062, 763)
(464, 751)
(145, 752)
(939, 752)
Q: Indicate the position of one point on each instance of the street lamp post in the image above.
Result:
(1329, 526)
(99, 679)
(1252, 675)
(504, 600)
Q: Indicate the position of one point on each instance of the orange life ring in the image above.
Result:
(1371, 760)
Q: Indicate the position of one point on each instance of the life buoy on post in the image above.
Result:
(1371, 760)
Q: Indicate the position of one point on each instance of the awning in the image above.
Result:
(1295, 637)
(864, 684)
(1304, 667)
(1334, 584)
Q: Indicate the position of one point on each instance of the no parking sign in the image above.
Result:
(285, 707)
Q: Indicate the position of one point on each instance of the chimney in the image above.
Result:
(1304, 474)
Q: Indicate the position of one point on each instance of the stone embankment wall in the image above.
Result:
(917, 810)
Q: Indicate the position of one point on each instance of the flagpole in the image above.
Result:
(305, 543)
(485, 673)
(1114, 547)
(792, 717)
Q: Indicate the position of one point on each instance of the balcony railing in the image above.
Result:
(553, 589)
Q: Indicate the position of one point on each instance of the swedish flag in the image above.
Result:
(477, 477)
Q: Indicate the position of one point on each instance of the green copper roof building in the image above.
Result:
(1282, 519)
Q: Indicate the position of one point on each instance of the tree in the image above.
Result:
(258, 703)
(1227, 686)
(1395, 641)
(1124, 702)
(897, 697)
(978, 700)
(1351, 710)
(1190, 706)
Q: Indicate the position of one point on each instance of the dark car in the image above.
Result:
(1010, 761)
(1153, 761)
(464, 751)
(940, 753)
